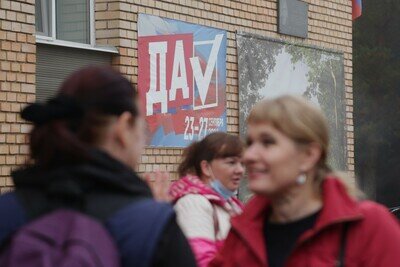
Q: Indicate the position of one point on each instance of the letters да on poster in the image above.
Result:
(181, 80)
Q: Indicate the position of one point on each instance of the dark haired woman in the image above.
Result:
(84, 145)
(204, 197)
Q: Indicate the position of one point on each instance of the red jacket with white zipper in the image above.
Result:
(373, 236)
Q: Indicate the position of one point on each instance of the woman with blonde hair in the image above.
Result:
(303, 214)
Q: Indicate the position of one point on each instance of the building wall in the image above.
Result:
(330, 26)
(17, 82)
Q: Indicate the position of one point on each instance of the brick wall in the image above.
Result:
(17, 82)
(330, 26)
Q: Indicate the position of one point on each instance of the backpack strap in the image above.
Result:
(137, 230)
(13, 215)
(342, 250)
(215, 221)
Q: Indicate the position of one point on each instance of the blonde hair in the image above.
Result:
(304, 123)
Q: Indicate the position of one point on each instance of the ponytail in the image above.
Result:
(77, 118)
(189, 162)
(324, 171)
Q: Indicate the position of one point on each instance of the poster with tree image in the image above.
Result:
(269, 68)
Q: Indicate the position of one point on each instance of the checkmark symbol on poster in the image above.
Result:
(203, 81)
(180, 107)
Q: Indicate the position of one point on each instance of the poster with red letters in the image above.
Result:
(181, 80)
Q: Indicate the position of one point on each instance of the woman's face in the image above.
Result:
(272, 159)
(229, 171)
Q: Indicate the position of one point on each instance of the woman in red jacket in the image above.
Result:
(302, 214)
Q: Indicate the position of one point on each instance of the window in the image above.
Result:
(65, 20)
(43, 17)
(66, 42)
(55, 63)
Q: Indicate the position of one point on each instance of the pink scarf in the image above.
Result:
(193, 185)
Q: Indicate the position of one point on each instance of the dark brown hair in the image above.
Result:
(213, 146)
(103, 93)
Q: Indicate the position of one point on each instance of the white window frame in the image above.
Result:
(44, 18)
(53, 38)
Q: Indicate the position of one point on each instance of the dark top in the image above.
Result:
(173, 249)
(280, 238)
(109, 191)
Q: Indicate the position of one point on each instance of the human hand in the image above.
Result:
(159, 184)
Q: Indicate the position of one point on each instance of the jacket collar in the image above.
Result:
(102, 173)
(338, 207)
(193, 185)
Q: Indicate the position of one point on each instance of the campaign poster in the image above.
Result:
(181, 80)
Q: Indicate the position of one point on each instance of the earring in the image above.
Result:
(301, 179)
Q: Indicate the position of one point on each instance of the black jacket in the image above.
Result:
(107, 190)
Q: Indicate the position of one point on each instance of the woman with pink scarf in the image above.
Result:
(204, 198)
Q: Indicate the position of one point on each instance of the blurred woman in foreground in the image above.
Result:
(303, 214)
(84, 146)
